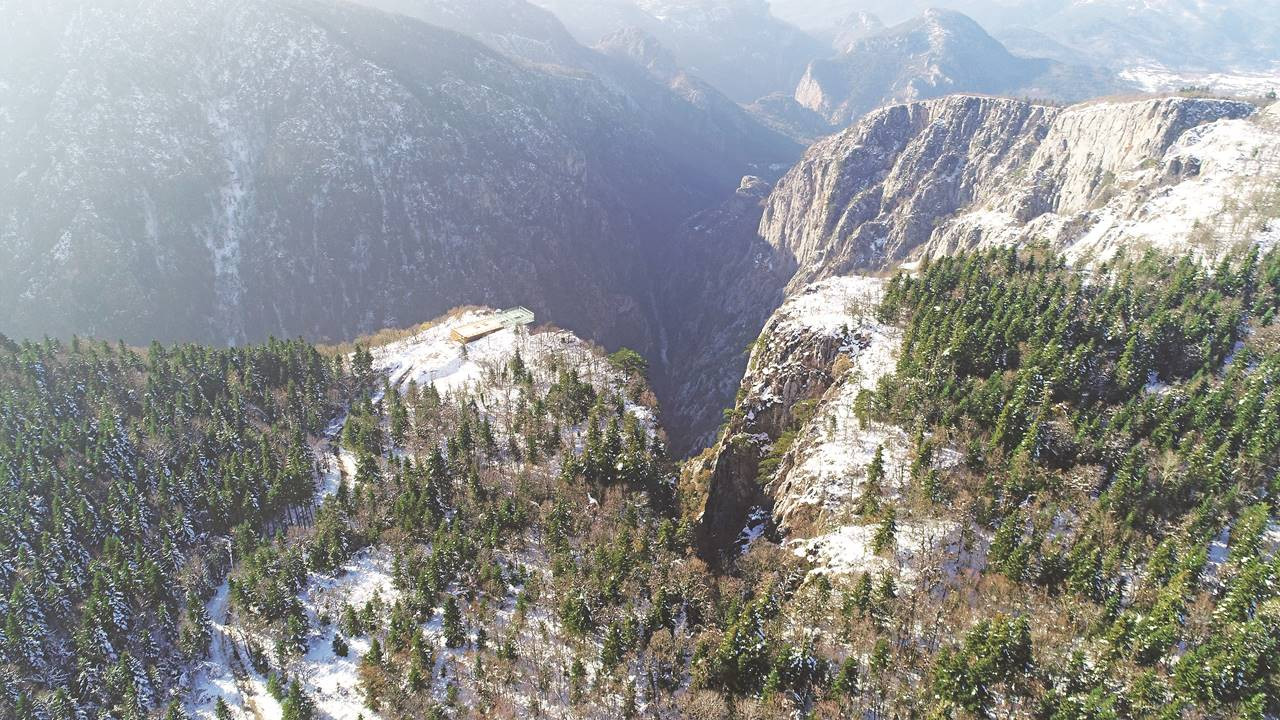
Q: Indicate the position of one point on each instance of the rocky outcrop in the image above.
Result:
(793, 361)
(1088, 143)
(966, 171)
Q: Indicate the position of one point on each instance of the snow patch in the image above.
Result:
(331, 680)
(924, 550)
(825, 306)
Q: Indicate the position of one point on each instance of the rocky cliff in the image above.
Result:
(1189, 176)
(791, 366)
(967, 171)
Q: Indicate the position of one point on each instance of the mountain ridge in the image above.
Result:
(966, 171)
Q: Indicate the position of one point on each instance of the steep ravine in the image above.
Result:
(723, 282)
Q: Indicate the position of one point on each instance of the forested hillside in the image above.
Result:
(1119, 433)
(122, 472)
(499, 537)
(494, 530)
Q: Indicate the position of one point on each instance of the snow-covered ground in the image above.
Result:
(216, 677)
(432, 357)
(922, 546)
(829, 305)
(829, 458)
(1241, 84)
(832, 456)
(330, 679)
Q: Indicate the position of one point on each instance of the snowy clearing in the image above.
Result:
(922, 548)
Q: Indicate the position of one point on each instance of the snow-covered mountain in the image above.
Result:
(1190, 175)
(938, 53)
(1183, 34)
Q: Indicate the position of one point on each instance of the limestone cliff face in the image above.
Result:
(965, 171)
(868, 196)
(1086, 143)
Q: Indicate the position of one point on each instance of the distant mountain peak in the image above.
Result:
(939, 52)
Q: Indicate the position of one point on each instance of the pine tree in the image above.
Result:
(296, 705)
(577, 678)
(886, 531)
(1133, 367)
(872, 490)
(846, 679)
(611, 648)
(373, 658)
(454, 633)
(175, 712)
(420, 664)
